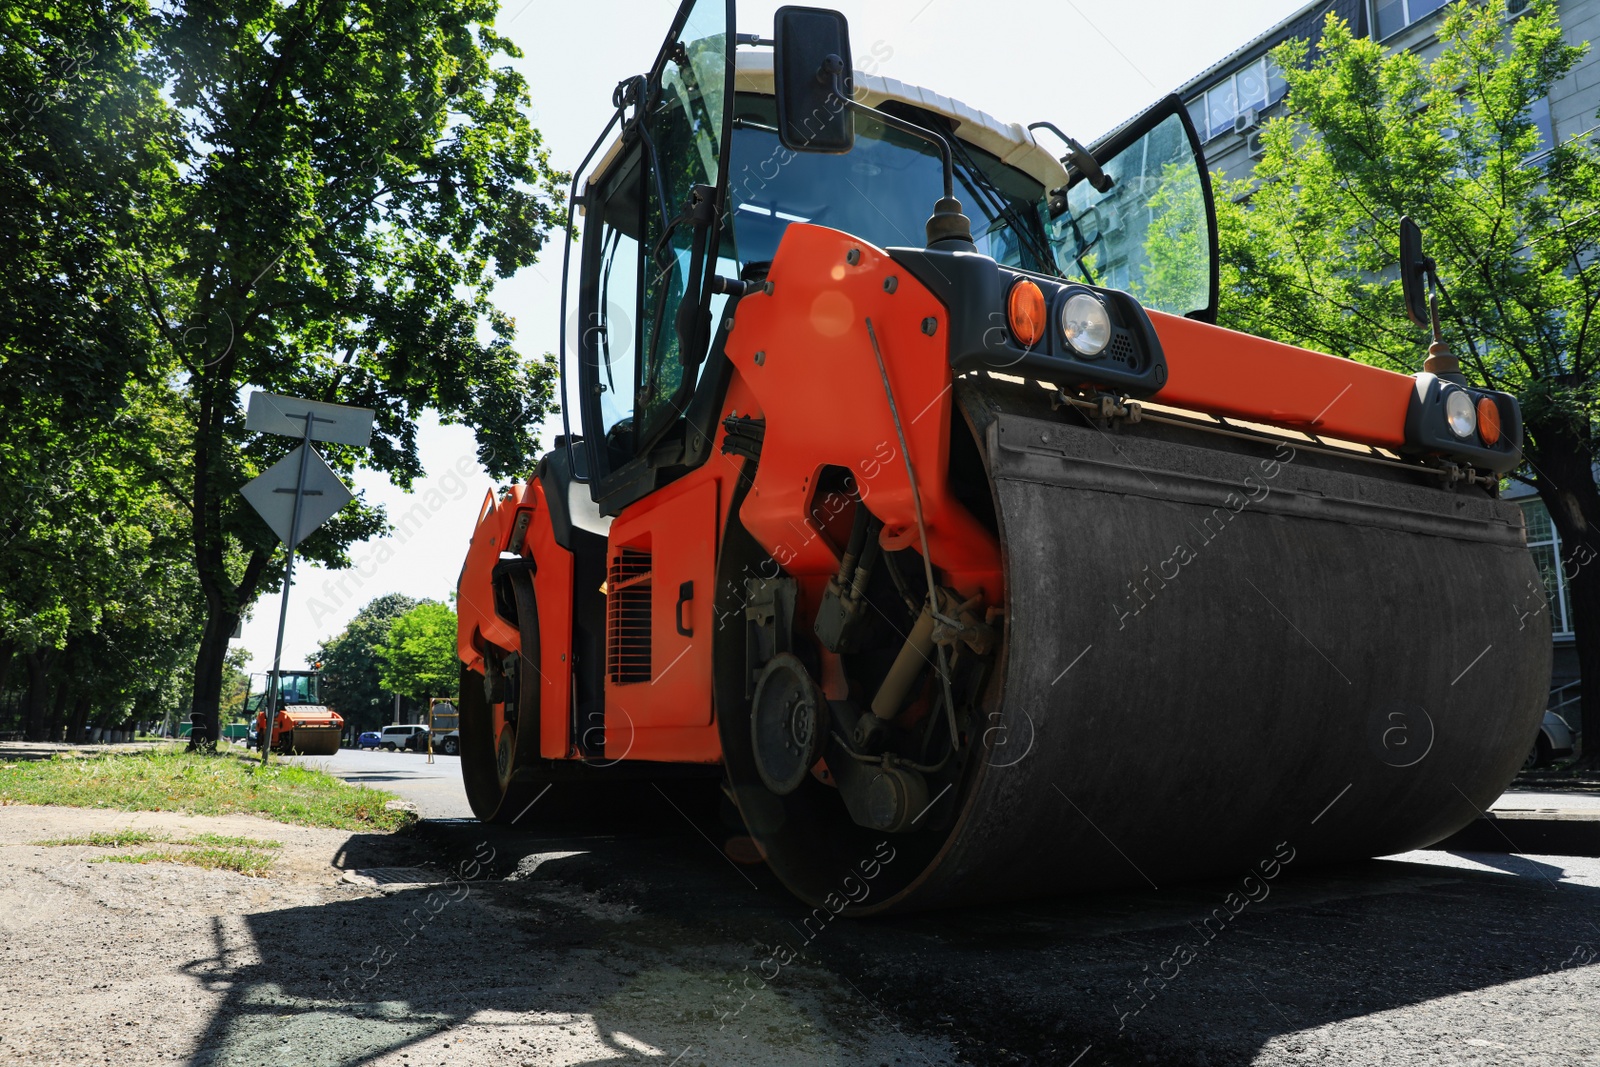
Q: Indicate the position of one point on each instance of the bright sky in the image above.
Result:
(1083, 66)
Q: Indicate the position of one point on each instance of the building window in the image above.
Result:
(1538, 113)
(1545, 544)
(1257, 85)
(1392, 16)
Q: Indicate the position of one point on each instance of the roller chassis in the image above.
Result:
(1038, 724)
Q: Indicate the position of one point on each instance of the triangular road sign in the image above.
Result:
(272, 494)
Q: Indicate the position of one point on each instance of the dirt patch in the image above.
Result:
(113, 962)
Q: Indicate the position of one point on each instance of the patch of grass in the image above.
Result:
(240, 861)
(106, 839)
(170, 779)
(225, 841)
(218, 852)
(122, 838)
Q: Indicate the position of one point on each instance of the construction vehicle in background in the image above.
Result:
(909, 526)
(304, 726)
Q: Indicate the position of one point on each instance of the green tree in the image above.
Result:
(355, 180)
(97, 598)
(87, 150)
(1175, 246)
(418, 658)
(235, 684)
(352, 674)
(87, 159)
(1310, 246)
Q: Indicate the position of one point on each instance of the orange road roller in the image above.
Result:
(910, 486)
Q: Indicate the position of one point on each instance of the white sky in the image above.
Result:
(1020, 62)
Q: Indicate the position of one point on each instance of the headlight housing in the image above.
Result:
(1460, 413)
(1085, 324)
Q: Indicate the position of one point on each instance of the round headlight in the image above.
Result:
(1085, 324)
(1460, 413)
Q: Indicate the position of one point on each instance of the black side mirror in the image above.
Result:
(1414, 268)
(811, 62)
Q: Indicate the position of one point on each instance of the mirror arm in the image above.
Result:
(834, 67)
(1078, 158)
(1449, 366)
(947, 222)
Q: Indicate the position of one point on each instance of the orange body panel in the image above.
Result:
(807, 357)
(678, 527)
(1222, 372)
(671, 717)
(476, 620)
(552, 592)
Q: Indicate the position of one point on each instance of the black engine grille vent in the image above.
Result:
(628, 617)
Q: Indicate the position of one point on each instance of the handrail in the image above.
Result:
(1556, 693)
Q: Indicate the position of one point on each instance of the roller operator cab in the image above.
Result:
(910, 477)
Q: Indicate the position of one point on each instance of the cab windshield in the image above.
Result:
(1150, 233)
(882, 191)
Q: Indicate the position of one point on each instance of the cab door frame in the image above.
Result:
(683, 216)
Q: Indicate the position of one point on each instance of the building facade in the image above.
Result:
(1231, 100)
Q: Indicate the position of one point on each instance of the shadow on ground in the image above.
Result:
(618, 924)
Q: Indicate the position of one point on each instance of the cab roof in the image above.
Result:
(1011, 143)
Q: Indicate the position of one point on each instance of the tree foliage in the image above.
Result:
(352, 673)
(96, 604)
(418, 658)
(87, 151)
(1310, 245)
(315, 197)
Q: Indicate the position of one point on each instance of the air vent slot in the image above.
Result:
(1123, 350)
(628, 617)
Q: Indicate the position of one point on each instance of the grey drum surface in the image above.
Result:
(1213, 651)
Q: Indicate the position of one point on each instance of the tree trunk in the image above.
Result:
(7, 650)
(1566, 484)
(80, 719)
(209, 662)
(33, 717)
(106, 718)
(58, 710)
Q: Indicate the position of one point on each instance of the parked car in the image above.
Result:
(369, 739)
(413, 738)
(448, 743)
(1554, 740)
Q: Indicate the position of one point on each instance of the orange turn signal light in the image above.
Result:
(1488, 420)
(1025, 311)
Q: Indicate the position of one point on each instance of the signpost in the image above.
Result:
(300, 492)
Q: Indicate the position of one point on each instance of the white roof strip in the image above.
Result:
(1011, 143)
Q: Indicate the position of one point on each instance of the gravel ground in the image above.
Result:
(620, 931)
(129, 964)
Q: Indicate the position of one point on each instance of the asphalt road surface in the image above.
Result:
(631, 911)
(435, 788)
